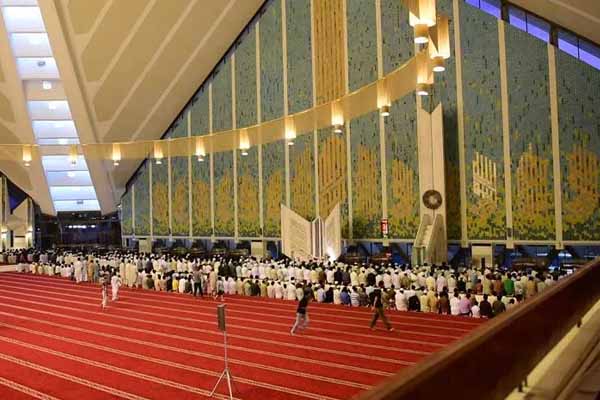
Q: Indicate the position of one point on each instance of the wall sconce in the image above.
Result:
(290, 130)
(421, 18)
(383, 102)
(200, 152)
(27, 155)
(116, 154)
(244, 142)
(73, 155)
(158, 153)
(337, 118)
(439, 49)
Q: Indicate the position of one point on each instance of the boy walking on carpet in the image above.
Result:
(378, 309)
(301, 313)
(104, 289)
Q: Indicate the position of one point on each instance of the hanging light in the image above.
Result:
(116, 154)
(200, 152)
(424, 75)
(27, 155)
(421, 17)
(244, 141)
(439, 50)
(337, 117)
(383, 102)
(158, 153)
(73, 155)
(290, 130)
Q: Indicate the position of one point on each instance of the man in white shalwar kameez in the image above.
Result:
(78, 265)
(115, 283)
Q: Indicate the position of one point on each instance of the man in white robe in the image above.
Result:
(115, 283)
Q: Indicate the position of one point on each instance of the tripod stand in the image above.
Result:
(226, 373)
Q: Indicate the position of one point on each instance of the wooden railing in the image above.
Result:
(497, 356)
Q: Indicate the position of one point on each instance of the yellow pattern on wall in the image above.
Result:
(329, 49)
(366, 202)
(533, 208)
(402, 190)
(301, 186)
(248, 201)
(160, 207)
(273, 203)
(201, 214)
(224, 205)
(332, 173)
(179, 207)
(583, 177)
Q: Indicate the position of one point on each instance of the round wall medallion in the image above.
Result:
(432, 199)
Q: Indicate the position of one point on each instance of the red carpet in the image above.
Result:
(57, 343)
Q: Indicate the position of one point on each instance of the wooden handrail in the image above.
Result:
(493, 359)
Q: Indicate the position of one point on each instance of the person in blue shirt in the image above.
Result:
(345, 297)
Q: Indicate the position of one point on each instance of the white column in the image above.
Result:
(382, 148)
(190, 187)
(258, 121)
(285, 99)
(235, 151)
(461, 125)
(212, 165)
(555, 145)
(506, 134)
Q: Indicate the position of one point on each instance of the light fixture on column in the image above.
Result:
(383, 102)
(52, 105)
(421, 18)
(337, 117)
(73, 155)
(116, 154)
(158, 153)
(424, 74)
(27, 155)
(290, 130)
(200, 152)
(46, 85)
(244, 142)
(439, 49)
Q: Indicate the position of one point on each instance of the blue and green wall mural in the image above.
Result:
(285, 50)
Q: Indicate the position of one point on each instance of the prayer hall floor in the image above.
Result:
(57, 343)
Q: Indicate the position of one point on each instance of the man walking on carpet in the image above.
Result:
(378, 309)
(301, 313)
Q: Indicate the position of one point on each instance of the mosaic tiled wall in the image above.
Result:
(272, 102)
(530, 136)
(247, 166)
(126, 217)
(223, 162)
(180, 220)
(364, 131)
(579, 122)
(402, 167)
(300, 97)
(142, 201)
(299, 55)
(445, 91)
(486, 210)
(201, 216)
(160, 198)
(529, 131)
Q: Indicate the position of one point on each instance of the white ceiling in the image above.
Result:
(83, 71)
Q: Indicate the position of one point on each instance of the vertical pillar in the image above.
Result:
(506, 135)
(555, 145)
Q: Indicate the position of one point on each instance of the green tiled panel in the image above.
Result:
(530, 136)
(579, 122)
(486, 209)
